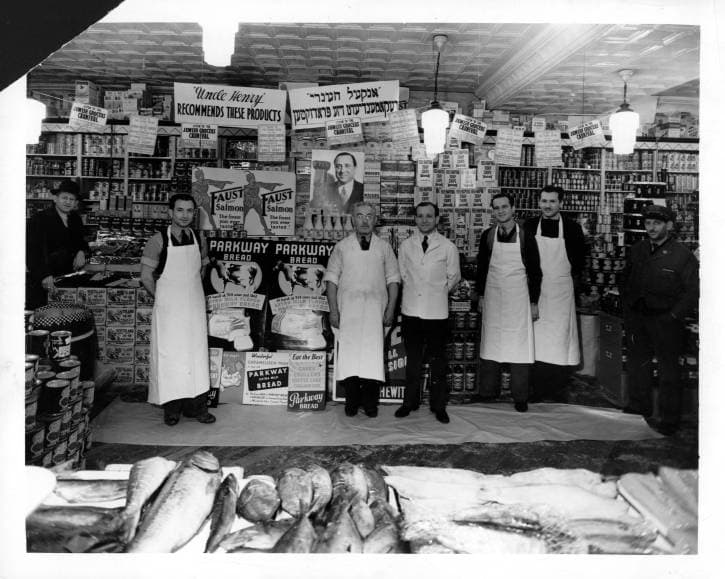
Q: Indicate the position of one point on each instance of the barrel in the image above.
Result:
(78, 320)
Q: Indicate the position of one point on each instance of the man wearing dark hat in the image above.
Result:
(660, 288)
(55, 244)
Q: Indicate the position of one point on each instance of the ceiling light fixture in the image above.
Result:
(34, 114)
(624, 122)
(435, 120)
(218, 40)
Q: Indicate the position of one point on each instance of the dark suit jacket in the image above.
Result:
(51, 246)
(355, 197)
(330, 198)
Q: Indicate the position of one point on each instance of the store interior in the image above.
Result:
(505, 74)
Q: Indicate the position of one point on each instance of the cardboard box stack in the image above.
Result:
(88, 93)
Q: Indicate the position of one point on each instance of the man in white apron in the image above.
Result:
(562, 250)
(509, 284)
(430, 270)
(171, 269)
(362, 289)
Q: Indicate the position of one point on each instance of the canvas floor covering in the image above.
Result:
(243, 425)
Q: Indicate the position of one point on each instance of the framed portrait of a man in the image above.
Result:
(337, 180)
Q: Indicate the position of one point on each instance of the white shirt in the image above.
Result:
(428, 278)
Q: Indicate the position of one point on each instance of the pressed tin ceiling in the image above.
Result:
(531, 68)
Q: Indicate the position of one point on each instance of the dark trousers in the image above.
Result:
(550, 381)
(490, 380)
(189, 406)
(361, 392)
(425, 340)
(664, 337)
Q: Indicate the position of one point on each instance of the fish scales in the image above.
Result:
(223, 512)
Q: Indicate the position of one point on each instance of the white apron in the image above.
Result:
(555, 332)
(361, 296)
(507, 333)
(179, 348)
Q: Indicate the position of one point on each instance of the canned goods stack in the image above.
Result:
(57, 402)
(462, 353)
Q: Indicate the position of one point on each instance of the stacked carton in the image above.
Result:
(88, 93)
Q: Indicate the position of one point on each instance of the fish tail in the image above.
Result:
(129, 523)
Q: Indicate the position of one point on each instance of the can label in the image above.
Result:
(65, 424)
(73, 441)
(37, 342)
(29, 320)
(35, 442)
(470, 350)
(458, 380)
(31, 410)
(77, 411)
(460, 320)
(88, 389)
(55, 396)
(34, 359)
(472, 320)
(458, 350)
(469, 381)
(52, 431)
(74, 391)
(47, 459)
(60, 452)
(59, 344)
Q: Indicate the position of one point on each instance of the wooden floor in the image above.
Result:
(606, 457)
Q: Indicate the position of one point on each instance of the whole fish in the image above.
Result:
(259, 500)
(340, 534)
(145, 478)
(78, 529)
(295, 491)
(76, 490)
(377, 489)
(257, 537)
(349, 479)
(222, 513)
(362, 516)
(299, 538)
(183, 504)
(321, 487)
(385, 538)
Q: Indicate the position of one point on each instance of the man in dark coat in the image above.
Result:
(55, 244)
(660, 288)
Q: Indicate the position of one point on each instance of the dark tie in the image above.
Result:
(425, 243)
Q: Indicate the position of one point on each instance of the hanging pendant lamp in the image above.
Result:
(624, 123)
(35, 112)
(435, 120)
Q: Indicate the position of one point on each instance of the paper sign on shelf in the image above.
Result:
(508, 146)
(266, 378)
(198, 136)
(468, 129)
(87, 118)
(271, 143)
(404, 127)
(538, 124)
(547, 149)
(142, 133)
(307, 380)
(589, 134)
(343, 131)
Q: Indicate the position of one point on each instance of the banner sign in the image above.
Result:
(228, 106)
(547, 149)
(262, 203)
(271, 143)
(404, 127)
(198, 136)
(313, 107)
(307, 380)
(468, 129)
(342, 131)
(508, 146)
(588, 134)
(87, 118)
(141, 136)
(266, 378)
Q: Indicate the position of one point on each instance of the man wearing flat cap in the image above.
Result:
(55, 244)
(660, 289)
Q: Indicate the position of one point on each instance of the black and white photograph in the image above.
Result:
(337, 180)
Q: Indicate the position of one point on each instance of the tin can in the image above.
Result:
(60, 452)
(29, 377)
(31, 411)
(46, 460)
(88, 388)
(87, 441)
(80, 428)
(42, 377)
(72, 366)
(52, 428)
(469, 350)
(59, 345)
(35, 442)
(458, 347)
(469, 379)
(74, 391)
(460, 321)
(65, 422)
(77, 410)
(55, 396)
(36, 342)
(33, 359)
(472, 319)
(449, 379)
(505, 382)
(73, 441)
(29, 320)
(457, 379)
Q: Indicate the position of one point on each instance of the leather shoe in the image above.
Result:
(442, 416)
(402, 412)
(171, 419)
(628, 410)
(206, 418)
(521, 406)
(350, 411)
(371, 412)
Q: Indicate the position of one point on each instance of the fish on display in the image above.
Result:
(348, 480)
(340, 535)
(362, 516)
(385, 537)
(321, 487)
(145, 478)
(299, 538)
(181, 508)
(259, 500)
(222, 513)
(74, 529)
(295, 491)
(258, 537)
(77, 490)
(377, 489)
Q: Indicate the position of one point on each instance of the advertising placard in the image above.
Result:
(342, 131)
(307, 376)
(404, 127)
(313, 107)
(141, 136)
(228, 106)
(262, 203)
(271, 143)
(547, 149)
(198, 136)
(468, 129)
(589, 134)
(508, 146)
(87, 118)
(266, 378)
